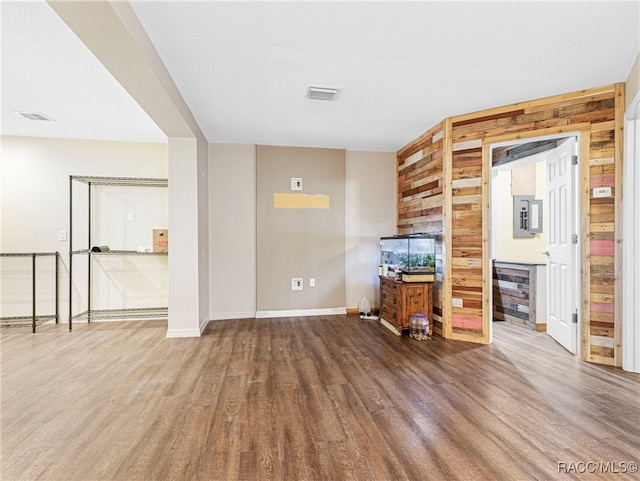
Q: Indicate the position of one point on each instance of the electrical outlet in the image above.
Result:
(131, 216)
(312, 282)
(296, 183)
(296, 283)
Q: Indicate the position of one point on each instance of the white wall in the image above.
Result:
(631, 240)
(232, 231)
(504, 246)
(370, 214)
(188, 232)
(34, 207)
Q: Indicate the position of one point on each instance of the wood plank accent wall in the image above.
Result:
(420, 200)
(515, 290)
(443, 184)
(420, 185)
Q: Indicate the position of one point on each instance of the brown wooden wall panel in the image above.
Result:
(420, 184)
(458, 144)
(420, 201)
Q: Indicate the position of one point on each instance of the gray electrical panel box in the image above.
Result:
(527, 216)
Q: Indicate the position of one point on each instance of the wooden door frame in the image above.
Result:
(583, 131)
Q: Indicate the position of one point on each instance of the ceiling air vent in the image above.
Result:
(322, 93)
(35, 116)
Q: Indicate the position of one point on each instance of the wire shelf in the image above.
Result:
(141, 313)
(42, 293)
(97, 314)
(27, 254)
(24, 321)
(119, 253)
(121, 181)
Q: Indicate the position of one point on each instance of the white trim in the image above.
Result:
(390, 326)
(203, 325)
(330, 311)
(630, 239)
(175, 333)
(633, 112)
(232, 315)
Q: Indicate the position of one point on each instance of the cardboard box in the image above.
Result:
(160, 240)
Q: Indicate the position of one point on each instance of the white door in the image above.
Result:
(561, 264)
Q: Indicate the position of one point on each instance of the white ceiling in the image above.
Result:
(243, 67)
(45, 68)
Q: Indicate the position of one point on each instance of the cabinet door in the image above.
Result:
(416, 301)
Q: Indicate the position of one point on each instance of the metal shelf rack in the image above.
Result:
(34, 319)
(97, 314)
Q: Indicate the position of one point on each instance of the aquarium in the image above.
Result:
(413, 254)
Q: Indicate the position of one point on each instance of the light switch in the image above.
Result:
(62, 236)
(131, 216)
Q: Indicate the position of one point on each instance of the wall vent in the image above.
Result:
(35, 116)
(322, 93)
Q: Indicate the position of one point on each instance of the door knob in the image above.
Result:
(547, 253)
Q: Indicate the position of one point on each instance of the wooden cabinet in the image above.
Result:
(399, 300)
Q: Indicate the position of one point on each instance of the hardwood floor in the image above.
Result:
(320, 398)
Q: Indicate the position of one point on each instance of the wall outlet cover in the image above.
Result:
(296, 183)
(297, 284)
(600, 192)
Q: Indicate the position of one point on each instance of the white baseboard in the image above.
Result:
(329, 311)
(232, 315)
(390, 326)
(203, 325)
(175, 333)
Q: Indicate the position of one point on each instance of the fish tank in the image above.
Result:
(414, 255)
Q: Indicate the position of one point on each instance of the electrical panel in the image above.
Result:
(527, 216)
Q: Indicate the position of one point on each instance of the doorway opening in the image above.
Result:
(534, 215)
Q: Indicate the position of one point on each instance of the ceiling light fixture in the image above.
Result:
(322, 93)
(35, 116)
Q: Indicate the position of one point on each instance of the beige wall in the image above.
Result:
(370, 214)
(370, 202)
(505, 246)
(232, 227)
(34, 207)
(300, 242)
(633, 83)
